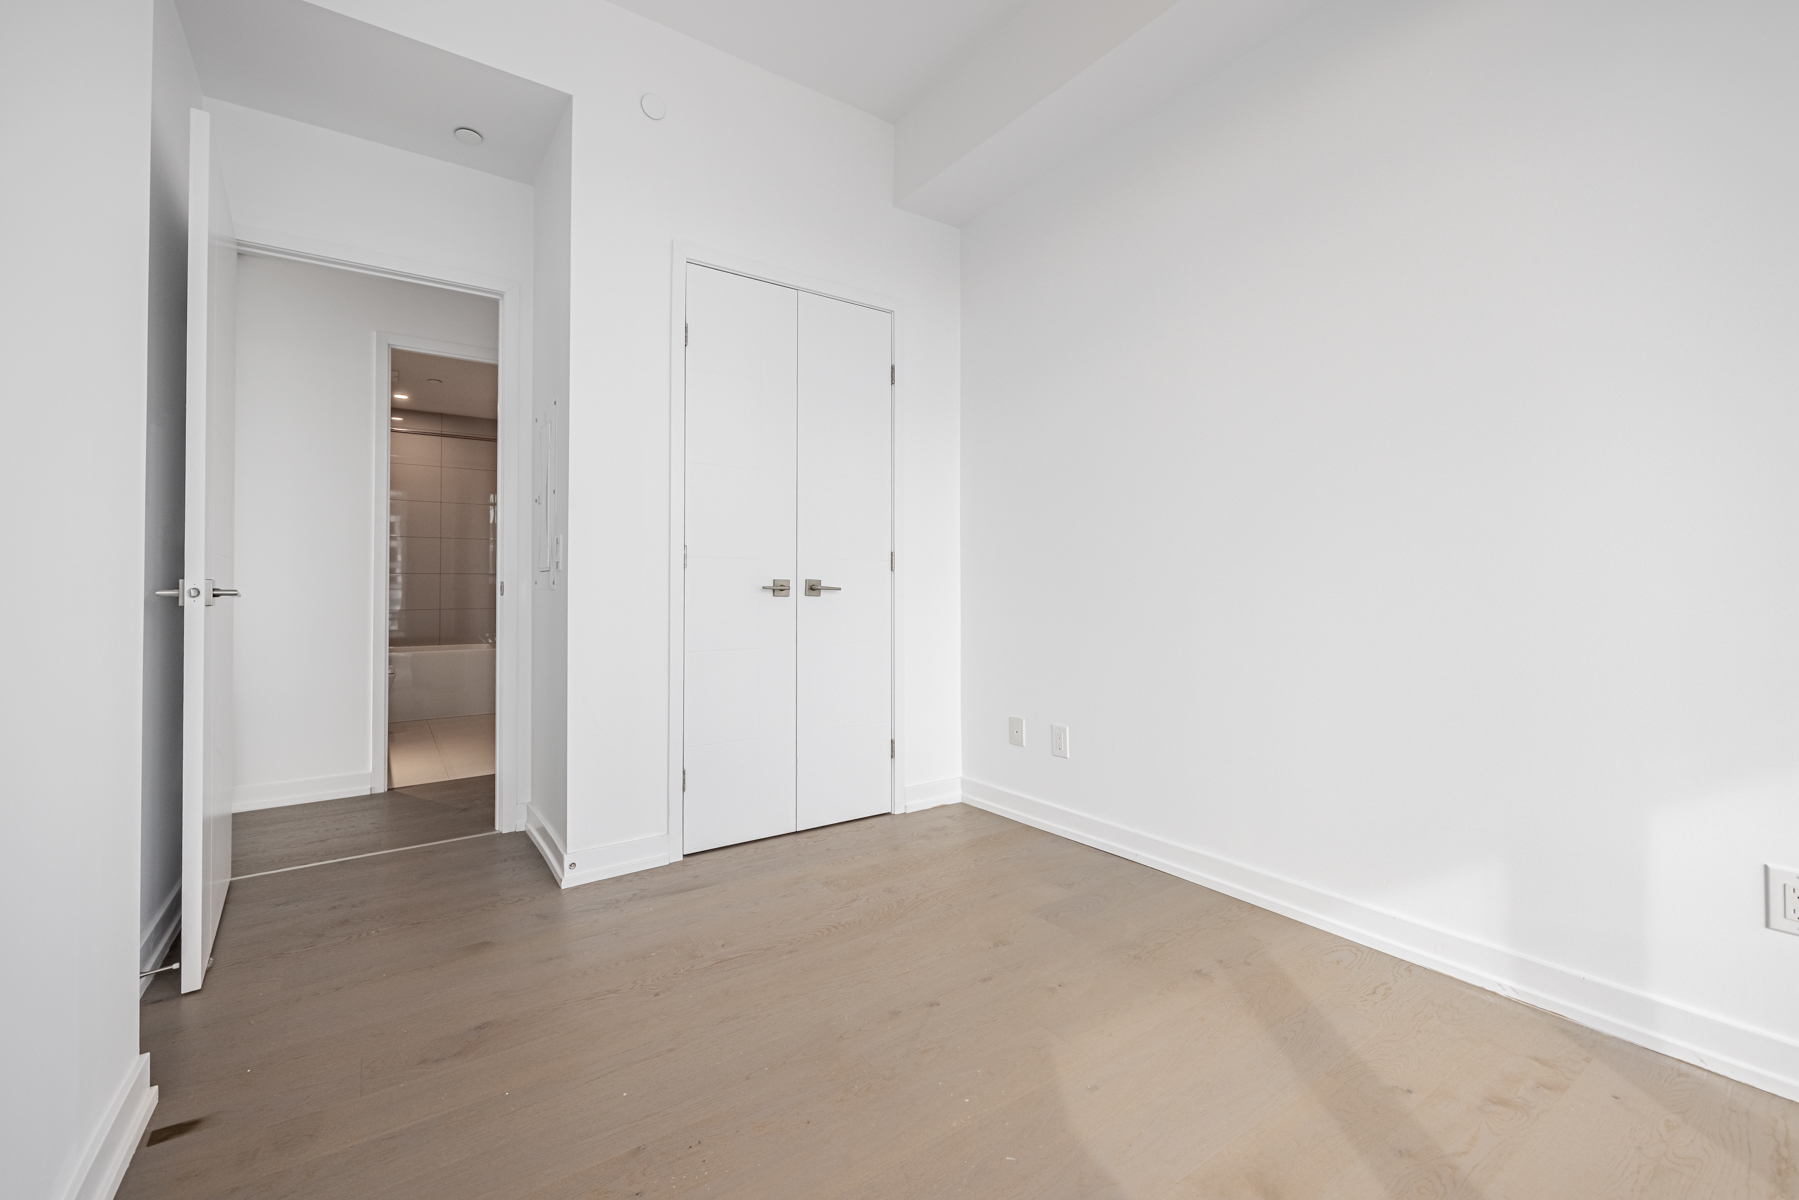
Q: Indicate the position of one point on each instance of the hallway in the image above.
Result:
(939, 1004)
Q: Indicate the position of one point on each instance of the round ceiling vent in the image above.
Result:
(467, 136)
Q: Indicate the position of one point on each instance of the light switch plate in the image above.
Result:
(1058, 741)
(1783, 900)
(1015, 730)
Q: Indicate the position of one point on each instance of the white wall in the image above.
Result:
(341, 197)
(306, 379)
(176, 92)
(369, 202)
(1383, 459)
(74, 235)
(549, 402)
(747, 164)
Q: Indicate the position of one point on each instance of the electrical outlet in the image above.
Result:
(1015, 730)
(1058, 741)
(1783, 900)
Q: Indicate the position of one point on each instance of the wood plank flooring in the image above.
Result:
(273, 838)
(935, 1005)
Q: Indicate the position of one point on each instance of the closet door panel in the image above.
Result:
(741, 482)
(845, 536)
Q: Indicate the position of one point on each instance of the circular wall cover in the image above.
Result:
(653, 108)
(468, 137)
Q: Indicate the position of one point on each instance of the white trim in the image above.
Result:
(512, 675)
(684, 254)
(251, 797)
(920, 796)
(275, 244)
(593, 863)
(1757, 1057)
(114, 1140)
(159, 935)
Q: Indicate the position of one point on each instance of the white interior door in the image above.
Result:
(208, 561)
(738, 743)
(845, 698)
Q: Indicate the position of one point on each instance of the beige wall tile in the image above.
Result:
(467, 487)
(421, 449)
(414, 518)
(479, 426)
(466, 556)
(467, 521)
(417, 590)
(478, 456)
(410, 482)
(466, 626)
(466, 591)
(414, 554)
(413, 628)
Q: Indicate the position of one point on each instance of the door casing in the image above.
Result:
(684, 254)
(512, 676)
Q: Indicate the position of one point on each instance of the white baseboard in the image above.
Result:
(1754, 1056)
(159, 935)
(250, 797)
(593, 863)
(115, 1140)
(918, 796)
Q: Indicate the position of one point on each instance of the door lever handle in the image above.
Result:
(780, 587)
(179, 591)
(816, 587)
(224, 591)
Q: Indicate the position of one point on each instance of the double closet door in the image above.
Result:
(789, 597)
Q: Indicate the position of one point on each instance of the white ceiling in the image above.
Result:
(433, 383)
(310, 64)
(878, 55)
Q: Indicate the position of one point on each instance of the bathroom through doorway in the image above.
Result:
(443, 525)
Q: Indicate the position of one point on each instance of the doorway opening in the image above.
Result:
(443, 523)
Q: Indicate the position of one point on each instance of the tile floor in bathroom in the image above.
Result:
(439, 749)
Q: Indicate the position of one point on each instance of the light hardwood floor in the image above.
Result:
(272, 839)
(942, 1004)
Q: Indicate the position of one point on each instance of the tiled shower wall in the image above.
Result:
(441, 535)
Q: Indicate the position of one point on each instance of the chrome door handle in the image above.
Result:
(780, 587)
(816, 588)
(224, 591)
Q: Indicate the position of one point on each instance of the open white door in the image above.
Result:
(208, 566)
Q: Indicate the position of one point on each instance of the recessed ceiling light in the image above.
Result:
(652, 106)
(467, 136)
(396, 418)
(401, 396)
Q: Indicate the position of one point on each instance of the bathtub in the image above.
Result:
(424, 682)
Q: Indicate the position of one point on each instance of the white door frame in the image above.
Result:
(512, 676)
(684, 255)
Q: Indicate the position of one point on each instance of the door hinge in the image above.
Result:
(683, 557)
(891, 744)
(683, 778)
(892, 374)
(890, 555)
(686, 334)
